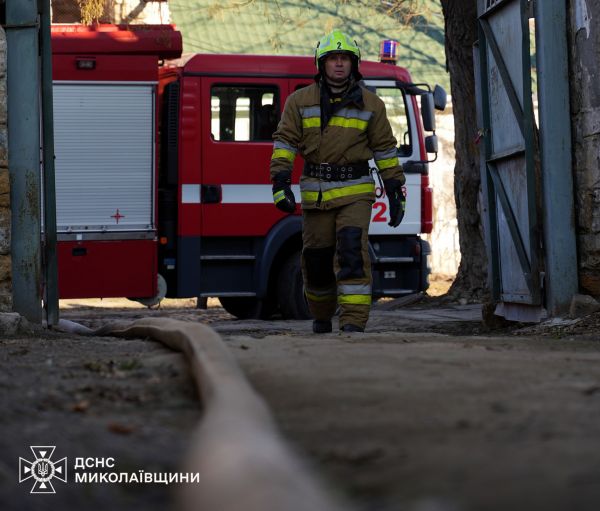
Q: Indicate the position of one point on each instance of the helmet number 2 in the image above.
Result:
(339, 45)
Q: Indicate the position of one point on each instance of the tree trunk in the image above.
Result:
(460, 20)
(584, 47)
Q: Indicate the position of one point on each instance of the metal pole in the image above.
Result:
(50, 259)
(23, 80)
(555, 141)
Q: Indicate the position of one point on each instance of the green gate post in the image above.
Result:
(23, 80)
(50, 259)
(555, 139)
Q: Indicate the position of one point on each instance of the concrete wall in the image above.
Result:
(5, 264)
(584, 42)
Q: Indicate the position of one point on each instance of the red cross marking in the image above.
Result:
(117, 216)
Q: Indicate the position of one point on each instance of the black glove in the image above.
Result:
(282, 192)
(393, 190)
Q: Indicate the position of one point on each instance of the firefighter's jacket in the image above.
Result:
(356, 132)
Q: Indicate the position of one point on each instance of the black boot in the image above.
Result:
(349, 327)
(321, 326)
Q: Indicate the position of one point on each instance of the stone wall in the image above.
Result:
(5, 263)
(584, 42)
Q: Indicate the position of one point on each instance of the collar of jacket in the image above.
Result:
(352, 95)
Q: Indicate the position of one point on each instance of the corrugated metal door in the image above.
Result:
(510, 172)
(104, 145)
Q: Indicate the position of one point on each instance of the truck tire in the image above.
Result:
(247, 307)
(290, 290)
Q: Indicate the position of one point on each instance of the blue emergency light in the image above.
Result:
(388, 51)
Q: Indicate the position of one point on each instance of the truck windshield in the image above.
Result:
(395, 105)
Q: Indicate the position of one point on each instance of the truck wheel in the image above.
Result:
(290, 290)
(247, 307)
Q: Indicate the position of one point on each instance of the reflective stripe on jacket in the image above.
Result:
(354, 133)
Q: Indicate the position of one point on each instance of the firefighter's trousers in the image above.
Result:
(335, 262)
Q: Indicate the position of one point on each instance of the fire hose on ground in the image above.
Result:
(243, 461)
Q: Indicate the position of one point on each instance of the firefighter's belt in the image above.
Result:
(332, 172)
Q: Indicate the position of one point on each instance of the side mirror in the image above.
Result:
(431, 144)
(439, 97)
(427, 112)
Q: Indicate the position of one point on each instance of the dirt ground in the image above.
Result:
(427, 411)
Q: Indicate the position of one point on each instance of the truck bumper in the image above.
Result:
(400, 265)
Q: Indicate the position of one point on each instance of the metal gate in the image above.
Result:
(509, 173)
(532, 265)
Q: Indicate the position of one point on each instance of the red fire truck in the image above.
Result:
(162, 173)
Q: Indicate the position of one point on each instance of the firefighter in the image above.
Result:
(337, 126)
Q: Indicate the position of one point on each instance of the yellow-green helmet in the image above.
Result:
(337, 41)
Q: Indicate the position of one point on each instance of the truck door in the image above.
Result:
(239, 118)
